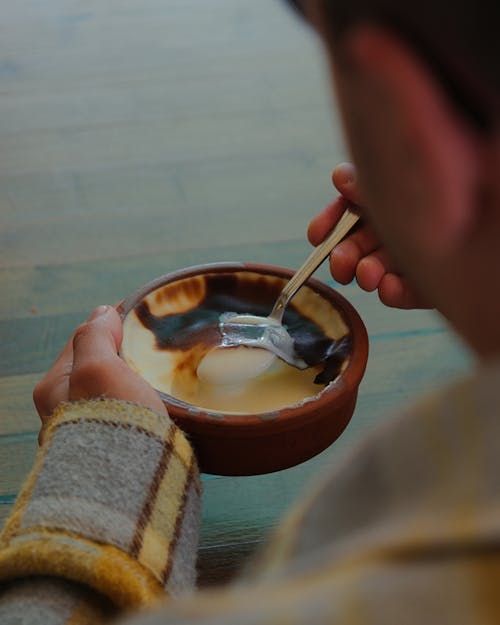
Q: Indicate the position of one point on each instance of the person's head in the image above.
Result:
(418, 86)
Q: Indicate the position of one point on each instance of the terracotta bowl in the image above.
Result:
(250, 443)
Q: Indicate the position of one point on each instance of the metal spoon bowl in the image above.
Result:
(268, 332)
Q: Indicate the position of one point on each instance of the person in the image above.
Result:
(406, 529)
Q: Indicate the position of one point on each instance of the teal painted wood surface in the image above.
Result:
(138, 138)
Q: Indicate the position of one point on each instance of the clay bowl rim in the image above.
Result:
(345, 386)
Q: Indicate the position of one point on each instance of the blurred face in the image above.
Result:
(426, 171)
(387, 173)
(412, 156)
(398, 181)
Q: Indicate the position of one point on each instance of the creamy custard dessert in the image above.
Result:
(171, 339)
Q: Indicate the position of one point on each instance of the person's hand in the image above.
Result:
(360, 254)
(89, 367)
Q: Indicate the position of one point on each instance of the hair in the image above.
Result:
(458, 39)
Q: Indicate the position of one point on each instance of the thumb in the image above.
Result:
(99, 337)
(97, 369)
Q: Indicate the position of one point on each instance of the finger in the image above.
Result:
(50, 393)
(54, 386)
(346, 255)
(396, 292)
(99, 338)
(95, 358)
(98, 371)
(323, 223)
(372, 268)
(63, 363)
(115, 379)
(345, 181)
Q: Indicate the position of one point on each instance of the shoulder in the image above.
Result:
(408, 480)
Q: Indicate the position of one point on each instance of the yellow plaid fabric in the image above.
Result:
(106, 505)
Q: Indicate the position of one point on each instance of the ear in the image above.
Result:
(409, 143)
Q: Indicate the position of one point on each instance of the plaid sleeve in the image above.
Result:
(112, 503)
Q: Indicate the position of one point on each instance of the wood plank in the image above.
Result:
(17, 454)
(30, 344)
(146, 210)
(188, 140)
(17, 412)
(51, 42)
(79, 286)
(147, 153)
(76, 288)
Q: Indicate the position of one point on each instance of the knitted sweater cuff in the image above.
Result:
(113, 502)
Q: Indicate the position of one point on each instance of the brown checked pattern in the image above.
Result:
(123, 518)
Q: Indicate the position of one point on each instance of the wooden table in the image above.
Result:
(142, 137)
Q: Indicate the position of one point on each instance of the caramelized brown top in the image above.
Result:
(198, 326)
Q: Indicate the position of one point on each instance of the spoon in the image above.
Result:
(268, 333)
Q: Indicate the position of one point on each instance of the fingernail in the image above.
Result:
(98, 312)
